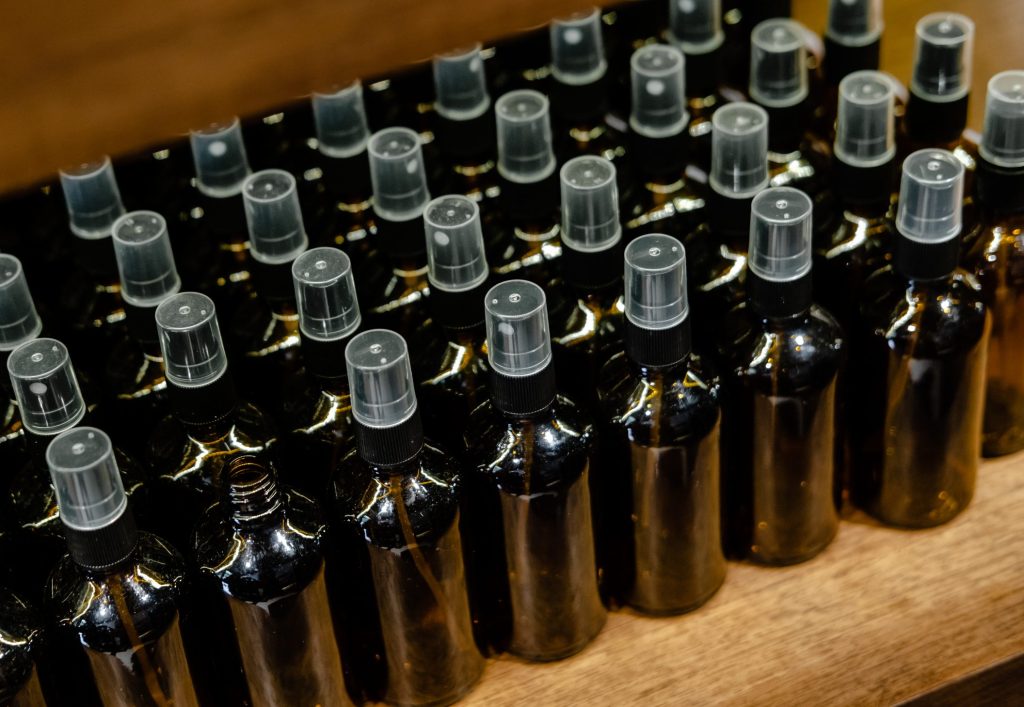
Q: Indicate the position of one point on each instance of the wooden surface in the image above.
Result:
(881, 616)
(90, 77)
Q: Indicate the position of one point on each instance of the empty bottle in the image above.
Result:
(119, 592)
(135, 370)
(995, 260)
(919, 360)
(264, 547)
(529, 531)
(782, 356)
(317, 403)
(397, 517)
(657, 502)
(529, 189)
(718, 249)
(661, 145)
(393, 295)
(587, 317)
(452, 368)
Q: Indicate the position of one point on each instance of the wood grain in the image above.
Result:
(109, 76)
(881, 616)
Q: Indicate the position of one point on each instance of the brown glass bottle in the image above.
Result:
(341, 203)
(782, 355)
(20, 653)
(656, 501)
(263, 547)
(916, 420)
(529, 244)
(527, 508)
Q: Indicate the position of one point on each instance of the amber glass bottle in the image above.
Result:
(30, 506)
(21, 682)
(782, 355)
(529, 533)
(529, 227)
(996, 260)
(89, 300)
(915, 422)
(394, 293)
(265, 328)
(120, 592)
(208, 426)
(135, 367)
(317, 407)
(779, 81)
(717, 250)
(263, 547)
(19, 323)
(587, 312)
(216, 241)
(452, 368)
(663, 197)
(656, 503)
(696, 29)
(853, 42)
(339, 206)
(465, 130)
(397, 521)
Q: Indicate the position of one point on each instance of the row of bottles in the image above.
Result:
(650, 325)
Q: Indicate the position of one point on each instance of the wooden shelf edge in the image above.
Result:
(881, 616)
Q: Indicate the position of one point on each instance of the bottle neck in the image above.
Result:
(103, 550)
(841, 60)
(96, 257)
(580, 106)
(592, 271)
(786, 127)
(349, 177)
(729, 218)
(926, 261)
(658, 349)
(252, 494)
(390, 447)
(274, 284)
(402, 241)
(662, 159)
(142, 327)
(457, 310)
(325, 360)
(703, 73)
(470, 142)
(865, 191)
(935, 123)
(531, 201)
(779, 300)
(207, 411)
(1000, 189)
(524, 396)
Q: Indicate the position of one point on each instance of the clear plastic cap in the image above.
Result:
(1002, 141)
(518, 337)
(45, 386)
(325, 294)
(19, 321)
(931, 195)
(659, 91)
(190, 340)
(655, 281)
(340, 117)
(739, 150)
(218, 153)
(942, 57)
(144, 259)
(455, 243)
(92, 198)
(460, 85)
(780, 234)
(778, 63)
(276, 232)
(590, 204)
(90, 495)
(695, 26)
(577, 49)
(865, 119)
(398, 173)
(525, 151)
(380, 378)
(854, 23)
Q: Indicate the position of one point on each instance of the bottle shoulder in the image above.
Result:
(782, 356)
(141, 598)
(262, 561)
(527, 455)
(580, 318)
(22, 634)
(680, 404)
(416, 504)
(930, 318)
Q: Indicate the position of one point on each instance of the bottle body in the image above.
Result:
(657, 505)
(453, 382)
(915, 423)
(529, 531)
(780, 437)
(129, 623)
(19, 655)
(263, 549)
(401, 530)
